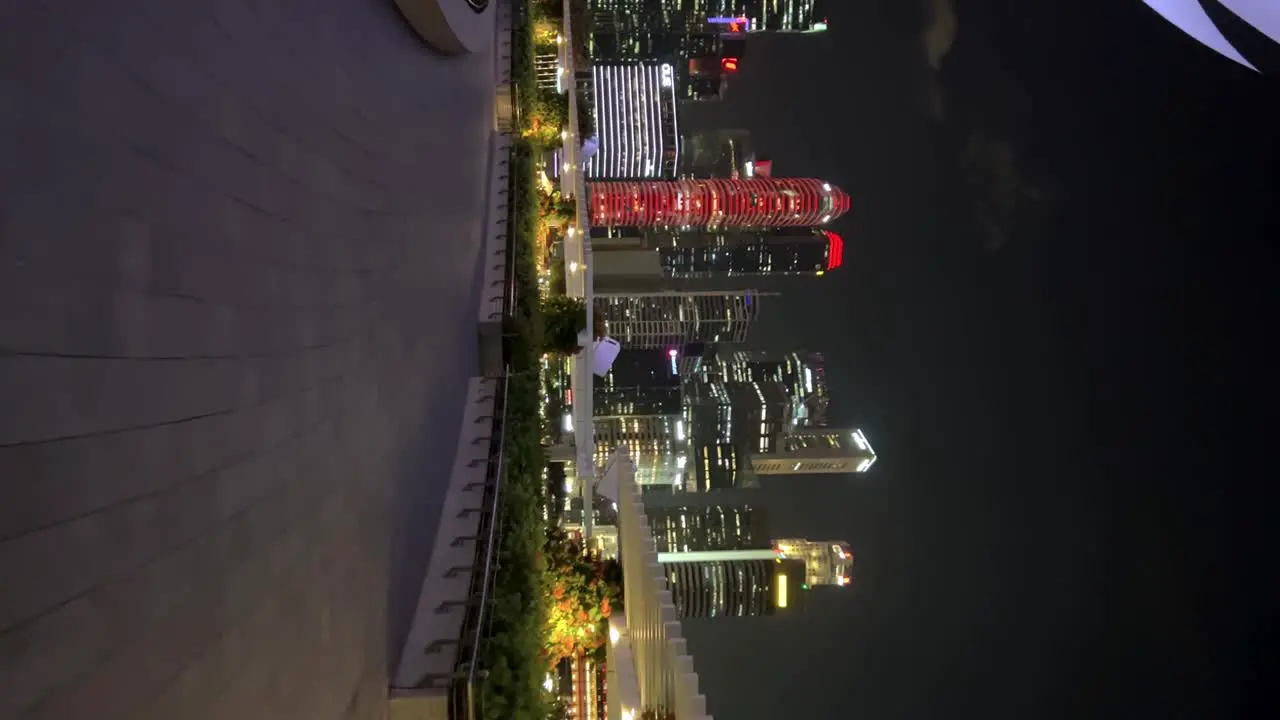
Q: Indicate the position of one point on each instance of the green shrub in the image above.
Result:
(563, 318)
(513, 688)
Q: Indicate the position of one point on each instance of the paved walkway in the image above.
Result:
(238, 269)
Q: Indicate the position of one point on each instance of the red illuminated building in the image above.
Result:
(716, 203)
(835, 250)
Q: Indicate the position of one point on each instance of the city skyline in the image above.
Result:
(301, 414)
(681, 226)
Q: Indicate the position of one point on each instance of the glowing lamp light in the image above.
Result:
(729, 65)
(614, 635)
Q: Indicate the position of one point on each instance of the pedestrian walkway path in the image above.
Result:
(239, 273)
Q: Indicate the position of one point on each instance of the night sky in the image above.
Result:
(1055, 323)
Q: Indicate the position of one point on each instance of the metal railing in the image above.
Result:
(477, 619)
(477, 624)
(652, 643)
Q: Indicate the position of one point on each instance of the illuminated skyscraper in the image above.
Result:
(637, 127)
(703, 40)
(787, 251)
(693, 526)
(632, 260)
(638, 405)
(770, 15)
(674, 319)
(641, 381)
(745, 404)
(826, 562)
(624, 29)
(659, 17)
(816, 450)
(716, 203)
(657, 445)
(733, 583)
(716, 152)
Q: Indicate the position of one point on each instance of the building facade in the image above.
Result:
(636, 260)
(672, 320)
(637, 124)
(826, 562)
(816, 450)
(658, 445)
(636, 20)
(703, 527)
(715, 203)
(733, 583)
(753, 16)
(745, 405)
(730, 253)
(641, 381)
(716, 152)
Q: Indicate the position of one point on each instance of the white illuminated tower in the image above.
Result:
(817, 450)
(637, 127)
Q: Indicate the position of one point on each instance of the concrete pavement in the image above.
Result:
(238, 285)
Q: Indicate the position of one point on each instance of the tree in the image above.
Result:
(579, 600)
(559, 710)
(556, 209)
(563, 318)
(545, 32)
(547, 116)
